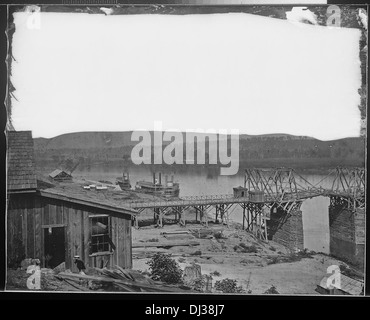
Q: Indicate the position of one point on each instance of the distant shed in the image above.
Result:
(60, 175)
(57, 223)
(240, 192)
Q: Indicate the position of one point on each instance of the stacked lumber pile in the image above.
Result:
(165, 244)
(126, 280)
(178, 235)
(206, 233)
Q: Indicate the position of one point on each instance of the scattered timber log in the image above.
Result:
(125, 274)
(60, 268)
(175, 232)
(165, 244)
(179, 237)
(77, 287)
(147, 255)
(126, 281)
(205, 232)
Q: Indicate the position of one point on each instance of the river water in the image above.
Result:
(208, 182)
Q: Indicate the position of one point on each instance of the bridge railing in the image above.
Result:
(180, 202)
(208, 197)
(224, 198)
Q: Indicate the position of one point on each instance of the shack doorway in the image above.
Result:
(54, 246)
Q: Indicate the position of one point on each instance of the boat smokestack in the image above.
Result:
(160, 178)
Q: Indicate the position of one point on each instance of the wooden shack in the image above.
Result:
(60, 175)
(240, 192)
(55, 224)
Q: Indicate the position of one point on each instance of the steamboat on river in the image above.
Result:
(168, 189)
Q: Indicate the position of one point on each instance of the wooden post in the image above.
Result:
(254, 221)
(180, 218)
(265, 223)
(243, 216)
(160, 212)
(183, 217)
(136, 222)
(206, 216)
(222, 213)
(260, 223)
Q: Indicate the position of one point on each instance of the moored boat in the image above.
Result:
(124, 181)
(167, 189)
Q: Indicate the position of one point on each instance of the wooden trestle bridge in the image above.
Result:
(265, 192)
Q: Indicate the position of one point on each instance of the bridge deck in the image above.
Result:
(221, 199)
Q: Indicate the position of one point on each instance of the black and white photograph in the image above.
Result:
(186, 149)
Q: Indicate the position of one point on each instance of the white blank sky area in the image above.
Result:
(89, 72)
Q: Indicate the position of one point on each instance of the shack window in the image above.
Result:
(100, 234)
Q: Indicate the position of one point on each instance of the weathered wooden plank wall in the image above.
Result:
(29, 215)
(39, 249)
(16, 239)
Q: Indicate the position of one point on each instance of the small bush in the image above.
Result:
(347, 271)
(292, 257)
(215, 273)
(242, 247)
(251, 249)
(218, 235)
(228, 286)
(271, 290)
(306, 253)
(246, 261)
(297, 256)
(273, 260)
(165, 269)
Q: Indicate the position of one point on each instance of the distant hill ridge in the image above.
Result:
(110, 148)
(111, 139)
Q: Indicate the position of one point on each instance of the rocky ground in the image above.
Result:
(221, 251)
(256, 265)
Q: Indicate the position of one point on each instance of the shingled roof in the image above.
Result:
(108, 200)
(57, 173)
(20, 166)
